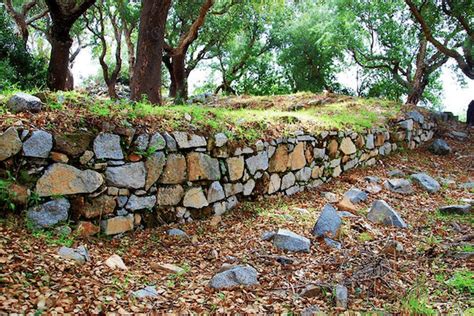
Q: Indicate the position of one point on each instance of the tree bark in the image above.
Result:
(179, 85)
(147, 73)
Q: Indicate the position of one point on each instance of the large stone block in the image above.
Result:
(202, 167)
(131, 175)
(175, 170)
(38, 145)
(10, 143)
(107, 146)
(170, 195)
(117, 225)
(154, 167)
(297, 159)
(279, 160)
(235, 166)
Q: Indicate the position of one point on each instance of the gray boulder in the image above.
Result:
(456, 209)
(235, 276)
(287, 240)
(140, 202)
(341, 297)
(147, 292)
(332, 243)
(80, 254)
(416, 116)
(258, 162)
(107, 146)
(328, 223)
(131, 175)
(157, 142)
(396, 173)
(401, 186)
(427, 182)
(268, 235)
(176, 232)
(381, 212)
(355, 195)
(23, 102)
(440, 147)
(49, 213)
(38, 145)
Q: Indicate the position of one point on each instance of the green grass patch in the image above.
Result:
(462, 281)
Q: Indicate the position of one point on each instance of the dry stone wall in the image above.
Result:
(116, 181)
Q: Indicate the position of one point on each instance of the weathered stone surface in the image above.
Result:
(328, 223)
(401, 186)
(456, 209)
(147, 292)
(115, 262)
(171, 144)
(202, 167)
(136, 203)
(23, 102)
(195, 198)
(288, 180)
(117, 225)
(18, 193)
(427, 182)
(10, 143)
(107, 146)
(303, 174)
(341, 297)
(347, 146)
(355, 195)
(49, 213)
(440, 147)
(337, 172)
(297, 159)
(248, 187)
(332, 243)
(220, 139)
(332, 148)
(235, 166)
(231, 202)
(157, 142)
(319, 153)
(86, 229)
(175, 170)
(215, 192)
(176, 232)
(268, 235)
(370, 141)
(407, 124)
(86, 157)
(131, 175)
(154, 167)
(288, 240)
(169, 196)
(100, 206)
(235, 276)
(317, 172)
(379, 139)
(38, 145)
(141, 142)
(233, 188)
(416, 116)
(274, 183)
(185, 140)
(80, 254)
(73, 144)
(381, 212)
(258, 162)
(396, 173)
(219, 208)
(59, 157)
(62, 179)
(346, 205)
(373, 188)
(293, 190)
(279, 160)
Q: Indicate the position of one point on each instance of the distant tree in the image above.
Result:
(449, 26)
(129, 13)
(98, 16)
(25, 14)
(146, 79)
(63, 13)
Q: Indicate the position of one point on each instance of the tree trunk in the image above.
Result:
(179, 85)
(147, 72)
(470, 114)
(415, 94)
(111, 89)
(131, 54)
(59, 76)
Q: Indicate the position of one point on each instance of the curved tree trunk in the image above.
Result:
(179, 84)
(147, 73)
(59, 76)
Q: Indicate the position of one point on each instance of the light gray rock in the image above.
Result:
(141, 143)
(107, 146)
(458, 135)
(347, 146)
(304, 174)
(215, 192)
(140, 202)
(329, 196)
(288, 181)
(268, 235)
(341, 297)
(328, 223)
(49, 213)
(219, 208)
(231, 203)
(355, 195)
(170, 195)
(38, 145)
(132, 175)
(440, 147)
(369, 142)
(171, 144)
(10, 143)
(274, 184)
(248, 187)
(23, 102)
(373, 188)
(195, 198)
(382, 213)
(372, 179)
(235, 276)
(396, 173)
(258, 162)
(401, 186)
(147, 292)
(293, 190)
(157, 142)
(407, 124)
(221, 139)
(319, 153)
(427, 182)
(456, 209)
(288, 240)
(176, 232)
(80, 254)
(332, 243)
(185, 140)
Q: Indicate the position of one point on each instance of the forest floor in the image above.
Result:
(433, 273)
(241, 117)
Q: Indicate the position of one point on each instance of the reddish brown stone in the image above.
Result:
(86, 229)
(279, 160)
(379, 139)
(332, 148)
(99, 206)
(59, 157)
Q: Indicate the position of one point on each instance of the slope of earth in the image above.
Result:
(432, 274)
(241, 117)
